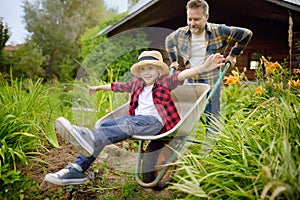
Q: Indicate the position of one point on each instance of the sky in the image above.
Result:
(11, 12)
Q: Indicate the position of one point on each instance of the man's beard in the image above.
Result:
(194, 29)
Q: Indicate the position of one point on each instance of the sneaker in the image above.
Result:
(80, 137)
(70, 175)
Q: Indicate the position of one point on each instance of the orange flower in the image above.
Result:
(264, 61)
(296, 71)
(278, 86)
(231, 80)
(259, 90)
(272, 67)
(270, 81)
(294, 83)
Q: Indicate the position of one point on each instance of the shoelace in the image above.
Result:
(80, 129)
(63, 172)
(83, 130)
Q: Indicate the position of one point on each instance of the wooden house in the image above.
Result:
(268, 19)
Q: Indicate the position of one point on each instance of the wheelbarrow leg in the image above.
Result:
(154, 177)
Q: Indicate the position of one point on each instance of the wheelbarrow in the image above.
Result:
(154, 161)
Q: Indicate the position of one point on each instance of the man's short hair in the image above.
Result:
(198, 4)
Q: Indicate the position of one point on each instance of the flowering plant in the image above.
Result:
(273, 78)
(235, 78)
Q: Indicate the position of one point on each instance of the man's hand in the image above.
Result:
(175, 65)
(231, 59)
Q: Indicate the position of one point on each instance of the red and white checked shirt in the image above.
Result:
(161, 94)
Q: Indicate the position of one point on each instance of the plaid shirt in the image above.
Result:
(218, 37)
(161, 94)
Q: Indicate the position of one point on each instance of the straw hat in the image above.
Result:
(150, 58)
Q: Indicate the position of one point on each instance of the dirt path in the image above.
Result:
(114, 157)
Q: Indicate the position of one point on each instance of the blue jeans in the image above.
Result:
(118, 129)
(213, 107)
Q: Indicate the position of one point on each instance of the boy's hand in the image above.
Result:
(92, 89)
(214, 61)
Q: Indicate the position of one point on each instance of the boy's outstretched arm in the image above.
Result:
(212, 62)
(94, 89)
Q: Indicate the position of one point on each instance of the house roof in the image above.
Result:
(297, 2)
(290, 4)
(168, 14)
(133, 12)
(12, 47)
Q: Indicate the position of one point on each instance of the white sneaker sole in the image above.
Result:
(51, 178)
(68, 132)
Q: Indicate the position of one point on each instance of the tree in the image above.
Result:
(28, 61)
(131, 3)
(56, 26)
(4, 37)
(4, 34)
(101, 55)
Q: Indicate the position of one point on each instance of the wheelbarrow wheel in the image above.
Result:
(155, 157)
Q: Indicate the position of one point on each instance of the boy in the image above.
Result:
(151, 111)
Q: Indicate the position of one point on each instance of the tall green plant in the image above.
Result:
(25, 123)
(256, 156)
(107, 101)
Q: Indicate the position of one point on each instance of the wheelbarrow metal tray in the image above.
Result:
(190, 100)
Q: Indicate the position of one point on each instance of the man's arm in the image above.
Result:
(171, 45)
(241, 37)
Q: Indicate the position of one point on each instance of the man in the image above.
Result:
(199, 39)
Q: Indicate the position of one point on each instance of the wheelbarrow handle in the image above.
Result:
(218, 82)
(172, 69)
